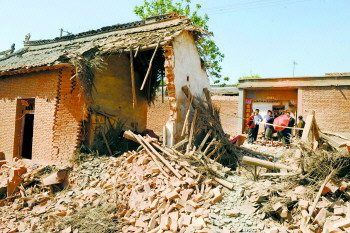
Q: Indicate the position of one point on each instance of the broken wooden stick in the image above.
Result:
(180, 144)
(186, 117)
(210, 144)
(312, 208)
(149, 67)
(205, 140)
(152, 156)
(142, 141)
(163, 150)
(266, 164)
(191, 131)
(137, 51)
(208, 97)
(224, 183)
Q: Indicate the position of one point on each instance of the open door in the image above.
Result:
(27, 136)
(23, 143)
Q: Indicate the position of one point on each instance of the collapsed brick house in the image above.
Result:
(328, 96)
(55, 94)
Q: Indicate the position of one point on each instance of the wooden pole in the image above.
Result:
(104, 137)
(132, 71)
(266, 164)
(163, 89)
(160, 157)
(149, 67)
(137, 51)
(312, 208)
(193, 124)
(186, 117)
(207, 96)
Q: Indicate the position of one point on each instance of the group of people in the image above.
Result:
(284, 135)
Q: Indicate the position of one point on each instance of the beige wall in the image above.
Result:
(183, 67)
(114, 92)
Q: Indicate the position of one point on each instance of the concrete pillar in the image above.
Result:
(300, 102)
(241, 109)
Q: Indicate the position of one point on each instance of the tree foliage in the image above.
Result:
(208, 50)
(249, 76)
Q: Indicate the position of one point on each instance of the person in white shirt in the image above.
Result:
(257, 119)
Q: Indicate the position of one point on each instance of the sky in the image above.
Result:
(270, 38)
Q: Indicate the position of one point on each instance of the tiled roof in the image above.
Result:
(107, 40)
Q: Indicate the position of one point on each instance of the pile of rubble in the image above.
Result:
(148, 190)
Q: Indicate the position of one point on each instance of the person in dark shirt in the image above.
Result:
(251, 127)
(301, 124)
(269, 128)
(287, 133)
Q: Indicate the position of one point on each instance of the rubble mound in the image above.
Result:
(132, 193)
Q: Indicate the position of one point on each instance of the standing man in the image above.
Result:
(269, 128)
(301, 124)
(257, 119)
(287, 132)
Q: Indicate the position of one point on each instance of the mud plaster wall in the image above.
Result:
(228, 106)
(183, 67)
(39, 85)
(113, 93)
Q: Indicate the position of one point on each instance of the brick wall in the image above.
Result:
(41, 86)
(331, 106)
(69, 115)
(58, 114)
(158, 114)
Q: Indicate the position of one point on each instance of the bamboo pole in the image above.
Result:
(132, 71)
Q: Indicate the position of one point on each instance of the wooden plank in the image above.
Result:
(149, 67)
(308, 127)
(331, 141)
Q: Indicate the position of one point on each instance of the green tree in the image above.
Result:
(208, 50)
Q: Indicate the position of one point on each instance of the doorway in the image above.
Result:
(24, 128)
(27, 136)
